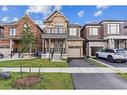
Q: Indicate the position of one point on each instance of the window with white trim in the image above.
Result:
(113, 29)
(93, 31)
(72, 32)
(12, 31)
(1, 32)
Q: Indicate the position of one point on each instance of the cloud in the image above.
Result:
(45, 10)
(81, 13)
(57, 7)
(102, 7)
(40, 23)
(98, 13)
(5, 19)
(4, 8)
(15, 19)
(100, 10)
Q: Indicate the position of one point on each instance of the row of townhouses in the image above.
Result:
(60, 39)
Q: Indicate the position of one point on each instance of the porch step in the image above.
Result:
(56, 57)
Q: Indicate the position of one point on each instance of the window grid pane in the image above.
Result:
(113, 28)
(73, 32)
(93, 31)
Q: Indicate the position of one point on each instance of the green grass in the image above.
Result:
(49, 81)
(122, 75)
(92, 62)
(33, 63)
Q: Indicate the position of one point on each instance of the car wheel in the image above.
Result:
(1, 56)
(110, 59)
(97, 56)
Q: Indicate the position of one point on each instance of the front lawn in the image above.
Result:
(49, 81)
(33, 63)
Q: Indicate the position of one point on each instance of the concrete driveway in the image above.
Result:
(95, 80)
(115, 64)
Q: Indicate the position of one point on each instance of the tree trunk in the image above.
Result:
(21, 69)
(29, 63)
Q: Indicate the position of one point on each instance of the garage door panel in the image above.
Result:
(74, 52)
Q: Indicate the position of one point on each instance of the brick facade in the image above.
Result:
(36, 30)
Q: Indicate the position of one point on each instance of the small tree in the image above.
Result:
(27, 43)
(27, 39)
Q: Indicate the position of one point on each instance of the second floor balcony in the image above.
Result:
(54, 33)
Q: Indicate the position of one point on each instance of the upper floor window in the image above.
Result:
(58, 29)
(72, 32)
(25, 26)
(113, 28)
(1, 32)
(13, 31)
(93, 31)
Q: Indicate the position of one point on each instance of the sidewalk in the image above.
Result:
(70, 70)
(8, 59)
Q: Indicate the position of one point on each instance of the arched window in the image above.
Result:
(25, 25)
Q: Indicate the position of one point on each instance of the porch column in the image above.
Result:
(125, 44)
(49, 44)
(43, 46)
(11, 44)
(89, 52)
(111, 43)
(65, 45)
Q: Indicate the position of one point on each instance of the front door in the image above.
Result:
(58, 46)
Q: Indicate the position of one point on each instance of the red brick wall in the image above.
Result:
(19, 27)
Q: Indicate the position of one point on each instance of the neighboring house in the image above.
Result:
(106, 34)
(61, 39)
(10, 35)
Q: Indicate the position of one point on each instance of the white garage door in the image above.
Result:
(74, 52)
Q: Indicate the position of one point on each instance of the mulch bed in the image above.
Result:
(26, 82)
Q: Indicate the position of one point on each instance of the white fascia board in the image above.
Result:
(115, 37)
(112, 22)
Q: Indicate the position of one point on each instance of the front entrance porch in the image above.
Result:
(117, 43)
(15, 46)
(54, 48)
(54, 44)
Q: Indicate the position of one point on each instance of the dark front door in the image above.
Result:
(58, 46)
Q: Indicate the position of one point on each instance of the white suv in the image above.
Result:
(112, 55)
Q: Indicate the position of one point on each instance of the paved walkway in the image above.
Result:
(70, 70)
(8, 59)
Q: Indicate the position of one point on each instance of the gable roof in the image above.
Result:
(9, 23)
(15, 22)
(53, 14)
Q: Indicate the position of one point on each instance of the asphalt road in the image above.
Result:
(98, 81)
(95, 80)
